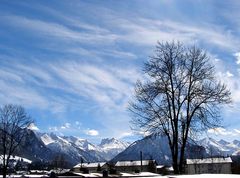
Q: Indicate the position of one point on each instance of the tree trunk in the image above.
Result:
(4, 171)
(175, 165)
(181, 161)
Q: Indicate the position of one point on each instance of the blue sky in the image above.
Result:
(73, 64)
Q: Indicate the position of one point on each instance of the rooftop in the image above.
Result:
(90, 164)
(209, 160)
(133, 163)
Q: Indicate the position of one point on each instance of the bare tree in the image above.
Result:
(13, 121)
(179, 96)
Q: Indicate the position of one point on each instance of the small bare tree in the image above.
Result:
(13, 122)
(180, 95)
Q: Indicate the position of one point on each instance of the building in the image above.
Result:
(164, 170)
(136, 166)
(91, 167)
(209, 165)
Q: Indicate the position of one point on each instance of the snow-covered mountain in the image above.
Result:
(111, 147)
(73, 148)
(221, 147)
(46, 146)
(157, 148)
(81, 143)
(152, 147)
(33, 149)
(78, 148)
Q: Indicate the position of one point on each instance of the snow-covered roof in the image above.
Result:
(170, 168)
(160, 166)
(88, 165)
(133, 163)
(209, 160)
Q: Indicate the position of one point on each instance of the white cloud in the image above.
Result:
(58, 31)
(21, 94)
(53, 129)
(237, 55)
(142, 133)
(66, 126)
(145, 31)
(221, 132)
(142, 31)
(229, 74)
(104, 85)
(104, 88)
(126, 134)
(92, 132)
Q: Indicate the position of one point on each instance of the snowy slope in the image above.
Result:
(106, 150)
(71, 147)
(157, 148)
(88, 147)
(45, 146)
(81, 143)
(109, 144)
(15, 159)
(110, 147)
(152, 148)
(34, 149)
(46, 139)
(221, 147)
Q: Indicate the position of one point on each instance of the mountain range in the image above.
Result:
(221, 147)
(156, 147)
(46, 146)
(78, 148)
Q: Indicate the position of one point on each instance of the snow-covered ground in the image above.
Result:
(198, 176)
(208, 175)
(15, 158)
(30, 176)
(149, 174)
(142, 175)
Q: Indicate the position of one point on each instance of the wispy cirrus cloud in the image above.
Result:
(229, 75)
(109, 87)
(223, 131)
(153, 30)
(103, 85)
(46, 29)
(62, 62)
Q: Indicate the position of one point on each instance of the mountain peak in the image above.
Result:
(70, 145)
(223, 142)
(236, 142)
(107, 141)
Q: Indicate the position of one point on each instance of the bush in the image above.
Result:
(137, 171)
(113, 171)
